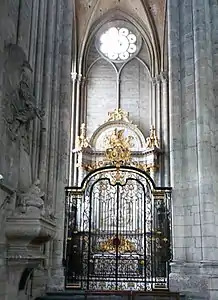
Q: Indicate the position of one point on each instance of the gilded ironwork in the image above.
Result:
(118, 235)
(93, 166)
(118, 115)
(152, 141)
(121, 243)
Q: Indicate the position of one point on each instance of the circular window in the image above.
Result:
(117, 41)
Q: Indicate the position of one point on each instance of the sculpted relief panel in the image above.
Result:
(20, 103)
(20, 109)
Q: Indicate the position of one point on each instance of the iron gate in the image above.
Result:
(117, 232)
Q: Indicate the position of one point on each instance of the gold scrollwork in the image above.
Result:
(93, 166)
(124, 245)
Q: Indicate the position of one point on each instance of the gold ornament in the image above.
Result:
(118, 115)
(118, 148)
(152, 141)
(82, 141)
(121, 244)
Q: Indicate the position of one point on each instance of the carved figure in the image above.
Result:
(152, 141)
(117, 139)
(118, 148)
(20, 106)
(33, 198)
(118, 115)
(82, 141)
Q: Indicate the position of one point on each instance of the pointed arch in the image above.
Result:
(149, 36)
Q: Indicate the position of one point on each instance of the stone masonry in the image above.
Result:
(35, 113)
(51, 81)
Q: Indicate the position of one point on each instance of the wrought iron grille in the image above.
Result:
(117, 232)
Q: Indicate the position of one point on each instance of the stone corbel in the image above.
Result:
(28, 228)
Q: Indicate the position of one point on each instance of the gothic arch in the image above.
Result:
(89, 69)
(113, 14)
(141, 62)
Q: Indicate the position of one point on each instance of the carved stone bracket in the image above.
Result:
(28, 227)
(26, 234)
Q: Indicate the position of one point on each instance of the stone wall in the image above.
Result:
(135, 93)
(101, 94)
(35, 42)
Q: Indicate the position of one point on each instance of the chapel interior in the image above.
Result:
(108, 149)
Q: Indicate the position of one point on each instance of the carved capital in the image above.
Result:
(74, 76)
(155, 80)
(164, 77)
(79, 78)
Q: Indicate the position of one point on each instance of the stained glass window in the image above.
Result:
(118, 43)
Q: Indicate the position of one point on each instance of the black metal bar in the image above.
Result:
(117, 235)
(145, 243)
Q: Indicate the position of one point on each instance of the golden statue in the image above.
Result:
(117, 139)
(118, 147)
(118, 115)
(81, 140)
(152, 141)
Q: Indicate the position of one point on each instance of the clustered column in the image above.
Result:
(192, 151)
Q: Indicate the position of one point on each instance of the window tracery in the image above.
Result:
(117, 41)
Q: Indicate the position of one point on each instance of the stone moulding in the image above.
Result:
(26, 234)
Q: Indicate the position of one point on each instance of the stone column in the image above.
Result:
(57, 276)
(157, 123)
(38, 80)
(191, 149)
(72, 131)
(153, 100)
(205, 116)
(25, 19)
(52, 170)
(165, 159)
(47, 94)
(77, 115)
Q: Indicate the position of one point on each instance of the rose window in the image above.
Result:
(118, 43)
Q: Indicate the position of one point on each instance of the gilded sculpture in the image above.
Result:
(118, 115)
(122, 245)
(152, 141)
(118, 148)
(82, 141)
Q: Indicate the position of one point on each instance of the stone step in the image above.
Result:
(82, 295)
